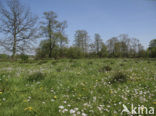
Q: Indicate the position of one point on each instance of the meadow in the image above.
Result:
(76, 87)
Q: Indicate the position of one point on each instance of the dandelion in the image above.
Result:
(28, 109)
(41, 88)
(25, 101)
(55, 97)
(154, 102)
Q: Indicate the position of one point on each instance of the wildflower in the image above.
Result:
(4, 99)
(28, 108)
(55, 97)
(83, 114)
(72, 111)
(78, 112)
(29, 97)
(65, 110)
(61, 107)
(43, 102)
(65, 102)
(154, 102)
(25, 101)
(41, 88)
(1, 92)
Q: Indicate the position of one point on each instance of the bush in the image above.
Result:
(119, 77)
(37, 76)
(105, 68)
(42, 62)
(24, 57)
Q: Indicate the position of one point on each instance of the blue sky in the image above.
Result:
(109, 18)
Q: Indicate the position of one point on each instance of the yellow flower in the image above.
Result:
(28, 108)
(41, 88)
(1, 92)
(111, 91)
(154, 102)
(25, 100)
(55, 97)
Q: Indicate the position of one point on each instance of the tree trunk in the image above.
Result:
(14, 48)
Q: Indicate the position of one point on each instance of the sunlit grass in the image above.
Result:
(82, 87)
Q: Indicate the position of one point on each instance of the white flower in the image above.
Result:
(78, 112)
(4, 99)
(64, 110)
(61, 107)
(72, 111)
(83, 114)
(29, 97)
(69, 105)
(43, 102)
(65, 102)
(76, 109)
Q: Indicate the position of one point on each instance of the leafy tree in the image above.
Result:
(98, 43)
(152, 48)
(53, 30)
(81, 40)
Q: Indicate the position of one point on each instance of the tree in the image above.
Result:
(53, 30)
(18, 25)
(103, 52)
(111, 45)
(98, 43)
(81, 40)
(152, 48)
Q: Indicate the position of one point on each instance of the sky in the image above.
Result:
(109, 18)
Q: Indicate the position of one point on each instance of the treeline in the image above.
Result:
(21, 29)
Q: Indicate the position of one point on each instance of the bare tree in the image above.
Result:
(17, 24)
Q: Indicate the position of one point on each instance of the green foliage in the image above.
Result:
(4, 57)
(119, 77)
(24, 57)
(74, 52)
(36, 76)
(105, 68)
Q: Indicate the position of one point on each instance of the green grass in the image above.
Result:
(42, 88)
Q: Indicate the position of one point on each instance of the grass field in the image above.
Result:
(84, 87)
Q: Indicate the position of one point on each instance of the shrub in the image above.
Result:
(58, 69)
(37, 76)
(119, 77)
(42, 62)
(105, 68)
(24, 57)
(121, 64)
(90, 62)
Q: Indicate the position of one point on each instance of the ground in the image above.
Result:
(80, 87)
